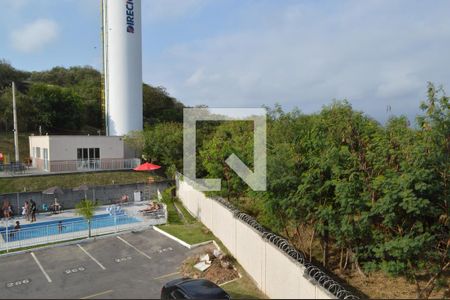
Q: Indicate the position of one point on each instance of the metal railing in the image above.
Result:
(13, 168)
(93, 165)
(55, 232)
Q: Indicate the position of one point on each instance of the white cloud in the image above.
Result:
(34, 36)
(373, 53)
(166, 10)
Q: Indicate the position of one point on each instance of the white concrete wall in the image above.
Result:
(275, 273)
(42, 142)
(223, 222)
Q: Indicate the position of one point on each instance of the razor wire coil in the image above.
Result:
(311, 270)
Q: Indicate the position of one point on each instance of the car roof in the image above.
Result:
(201, 288)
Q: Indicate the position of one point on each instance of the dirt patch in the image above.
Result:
(220, 271)
(380, 286)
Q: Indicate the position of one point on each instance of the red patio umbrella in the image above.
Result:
(147, 167)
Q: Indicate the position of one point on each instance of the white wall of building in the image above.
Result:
(41, 142)
(39, 147)
(65, 147)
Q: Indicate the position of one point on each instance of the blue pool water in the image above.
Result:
(42, 229)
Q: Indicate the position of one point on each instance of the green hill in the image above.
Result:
(69, 101)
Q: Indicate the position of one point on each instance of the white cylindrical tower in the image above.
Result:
(122, 47)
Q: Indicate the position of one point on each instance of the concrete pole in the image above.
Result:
(16, 132)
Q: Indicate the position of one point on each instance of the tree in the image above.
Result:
(82, 84)
(160, 107)
(59, 108)
(9, 74)
(163, 144)
(228, 138)
(86, 209)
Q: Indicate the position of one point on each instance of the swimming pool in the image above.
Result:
(62, 226)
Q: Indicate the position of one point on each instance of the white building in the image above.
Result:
(59, 153)
(122, 54)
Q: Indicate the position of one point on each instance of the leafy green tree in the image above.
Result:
(412, 211)
(59, 108)
(85, 84)
(159, 106)
(8, 74)
(228, 138)
(86, 209)
(163, 144)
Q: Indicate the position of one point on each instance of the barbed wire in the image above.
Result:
(312, 271)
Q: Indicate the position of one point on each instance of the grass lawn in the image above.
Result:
(40, 183)
(187, 216)
(190, 233)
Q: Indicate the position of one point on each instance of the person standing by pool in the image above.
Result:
(33, 209)
(15, 231)
(5, 209)
(60, 226)
(56, 207)
(26, 208)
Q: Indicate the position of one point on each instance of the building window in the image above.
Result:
(33, 152)
(38, 152)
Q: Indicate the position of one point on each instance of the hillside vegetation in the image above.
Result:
(369, 201)
(69, 101)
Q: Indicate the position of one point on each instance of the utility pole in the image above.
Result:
(16, 133)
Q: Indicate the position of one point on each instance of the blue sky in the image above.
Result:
(234, 53)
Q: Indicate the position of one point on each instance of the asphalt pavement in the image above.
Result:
(130, 265)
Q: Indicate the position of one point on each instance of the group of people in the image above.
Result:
(29, 210)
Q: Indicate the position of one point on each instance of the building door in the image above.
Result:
(88, 158)
(46, 159)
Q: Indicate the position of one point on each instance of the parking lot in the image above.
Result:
(131, 265)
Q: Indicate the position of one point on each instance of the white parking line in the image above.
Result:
(40, 267)
(93, 258)
(98, 294)
(134, 247)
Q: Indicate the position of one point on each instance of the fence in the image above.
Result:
(51, 232)
(13, 168)
(93, 165)
(104, 195)
(279, 270)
